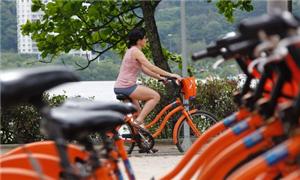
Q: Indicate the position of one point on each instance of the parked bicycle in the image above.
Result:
(57, 159)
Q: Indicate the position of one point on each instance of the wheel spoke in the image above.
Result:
(202, 121)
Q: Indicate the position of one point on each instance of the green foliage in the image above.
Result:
(227, 7)
(204, 26)
(104, 69)
(215, 96)
(21, 123)
(92, 25)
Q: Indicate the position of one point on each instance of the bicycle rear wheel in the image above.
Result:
(202, 120)
(126, 133)
(146, 140)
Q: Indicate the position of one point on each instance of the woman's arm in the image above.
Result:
(139, 55)
(151, 73)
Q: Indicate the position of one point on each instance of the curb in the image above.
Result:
(7, 146)
(158, 141)
(165, 146)
(164, 141)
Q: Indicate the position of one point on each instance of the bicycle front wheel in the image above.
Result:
(202, 120)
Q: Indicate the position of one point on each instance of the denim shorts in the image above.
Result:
(127, 91)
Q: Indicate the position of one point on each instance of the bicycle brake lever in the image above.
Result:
(275, 57)
(254, 63)
(218, 63)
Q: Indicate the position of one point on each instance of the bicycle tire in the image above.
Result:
(128, 137)
(205, 117)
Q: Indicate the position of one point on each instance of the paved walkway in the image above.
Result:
(147, 167)
(163, 150)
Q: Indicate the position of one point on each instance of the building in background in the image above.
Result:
(25, 43)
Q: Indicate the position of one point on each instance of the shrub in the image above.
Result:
(21, 123)
(214, 95)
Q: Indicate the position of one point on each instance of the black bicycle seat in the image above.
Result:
(24, 84)
(100, 106)
(75, 122)
(123, 97)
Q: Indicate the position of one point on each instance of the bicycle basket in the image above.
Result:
(189, 88)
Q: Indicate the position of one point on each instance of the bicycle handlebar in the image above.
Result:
(205, 53)
(234, 46)
(278, 23)
(230, 40)
(173, 80)
(244, 47)
(217, 49)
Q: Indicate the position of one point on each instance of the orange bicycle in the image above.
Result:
(197, 120)
(218, 159)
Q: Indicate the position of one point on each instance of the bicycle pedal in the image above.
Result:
(126, 136)
(154, 150)
(143, 151)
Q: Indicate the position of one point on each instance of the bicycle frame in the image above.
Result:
(123, 154)
(272, 158)
(178, 106)
(211, 132)
(46, 164)
(49, 160)
(49, 148)
(50, 166)
(231, 135)
(255, 142)
(293, 175)
(19, 173)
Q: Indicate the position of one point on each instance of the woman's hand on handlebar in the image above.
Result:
(163, 79)
(178, 77)
(173, 77)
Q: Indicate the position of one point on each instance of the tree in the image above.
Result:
(99, 26)
(148, 8)
(92, 25)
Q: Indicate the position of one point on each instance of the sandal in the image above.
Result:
(139, 124)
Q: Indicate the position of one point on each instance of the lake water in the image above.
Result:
(100, 90)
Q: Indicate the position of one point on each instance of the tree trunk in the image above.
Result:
(290, 6)
(148, 8)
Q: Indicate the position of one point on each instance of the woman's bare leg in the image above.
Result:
(145, 94)
(137, 104)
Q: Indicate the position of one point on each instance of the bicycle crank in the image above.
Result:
(146, 141)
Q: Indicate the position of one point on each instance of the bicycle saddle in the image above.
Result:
(23, 85)
(123, 97)
(100, 106)
(75, 122)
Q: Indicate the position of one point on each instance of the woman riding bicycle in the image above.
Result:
(133, 62)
